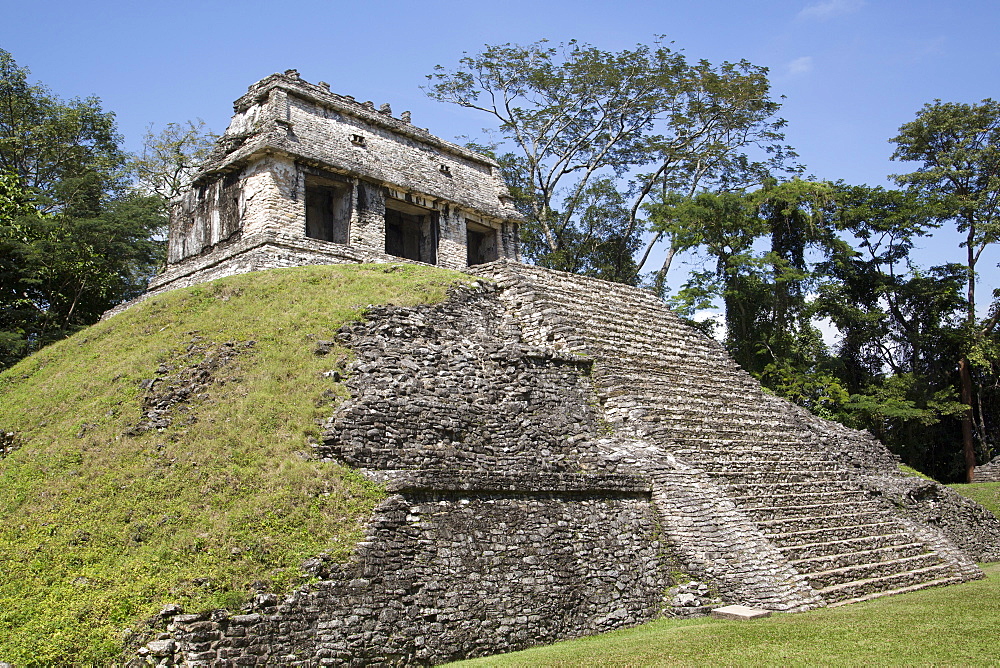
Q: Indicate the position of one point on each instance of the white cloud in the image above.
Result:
(800, 65)
(827, 9)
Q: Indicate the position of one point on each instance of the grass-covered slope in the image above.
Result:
(162, 456)
(986, 494)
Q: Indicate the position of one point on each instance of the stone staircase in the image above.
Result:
(671, 388)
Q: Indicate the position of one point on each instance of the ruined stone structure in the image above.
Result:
(555, 448)
(305, 176)
(988, 472)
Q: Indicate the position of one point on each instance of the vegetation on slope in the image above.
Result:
(986, 494)
(161, 456)
(945, 626)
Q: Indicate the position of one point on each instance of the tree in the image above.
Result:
(170, 159)
(765, 246)
(958, 146)
(899, 326)
(642, 122)
(75, 239)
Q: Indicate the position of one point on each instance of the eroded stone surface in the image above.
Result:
(306, 176)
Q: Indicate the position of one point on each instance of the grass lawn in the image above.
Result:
(945, 626)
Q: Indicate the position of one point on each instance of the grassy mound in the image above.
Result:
(162, 456)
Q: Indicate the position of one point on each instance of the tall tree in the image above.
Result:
(75, 239)
(764, 245)
(170, 158)
(958, 148)
(643, 121)
(899, 327)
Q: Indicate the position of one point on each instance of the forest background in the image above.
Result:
(840, 287)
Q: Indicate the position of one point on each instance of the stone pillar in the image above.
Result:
(368, 221)
(272, 199)
(452, 252)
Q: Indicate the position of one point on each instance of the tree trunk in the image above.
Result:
(968, 446)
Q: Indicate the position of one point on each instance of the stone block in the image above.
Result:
(739, 612)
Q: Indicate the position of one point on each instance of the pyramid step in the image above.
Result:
(877, 585)
(843, 559)
(726, 465)
(795, 525)
(772, 476)
(791, 488)
(822, 548)
(822, 580)
(765, 502)
(940, 582)
(843, 508)
(824, 534)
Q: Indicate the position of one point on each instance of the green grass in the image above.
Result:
(946, 626)
(912, 471)
(986, 494)
(100, 528)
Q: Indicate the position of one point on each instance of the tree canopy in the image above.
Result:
(958, 148)
(75, 238)
(587, 136)
(616, 158)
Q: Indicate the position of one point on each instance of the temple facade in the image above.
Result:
(305, 176)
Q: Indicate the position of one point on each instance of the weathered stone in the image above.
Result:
(161, 647)
(740, 612)
(306, 176)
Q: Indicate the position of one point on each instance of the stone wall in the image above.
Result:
(804, 522)
(452, 569)
(989, 472)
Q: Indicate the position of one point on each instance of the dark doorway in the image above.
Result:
(410, 232)
(481, 244)
(327, 210)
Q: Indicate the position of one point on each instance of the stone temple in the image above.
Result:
(556, 448)
(306, 176)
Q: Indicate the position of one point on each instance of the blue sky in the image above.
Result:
(851, 71)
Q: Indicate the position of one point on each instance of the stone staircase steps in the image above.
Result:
(678, 390)
(791, 489)
(891, 592)
(774, 501)
(794, 525)
(785, 538)
(856, 589)
(798, 551)
(856, 557)
(843, 508)
(821, 580)
(776, 474)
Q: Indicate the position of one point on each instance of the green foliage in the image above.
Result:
(958, 146)
(66, 153)
(74, 240)
(905, 630)
(170, 159)
(769, 328)
(102, 522)
(593, 134)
